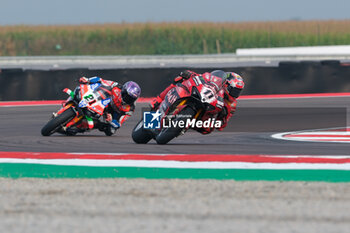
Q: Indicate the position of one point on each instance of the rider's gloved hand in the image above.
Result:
(187, 74)
(83, 80)
(156, 102)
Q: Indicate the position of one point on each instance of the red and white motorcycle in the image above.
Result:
(192, 101)
(81, 112)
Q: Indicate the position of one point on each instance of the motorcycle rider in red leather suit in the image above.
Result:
(232, 85)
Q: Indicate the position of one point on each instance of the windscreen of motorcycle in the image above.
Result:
(216, 78)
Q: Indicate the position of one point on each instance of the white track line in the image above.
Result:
(321, 132)
(178, 164)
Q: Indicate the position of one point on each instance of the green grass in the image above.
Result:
(167, 38)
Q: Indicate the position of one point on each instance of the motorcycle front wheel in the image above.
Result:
(168, 134)
(56, 123)
(140, 135)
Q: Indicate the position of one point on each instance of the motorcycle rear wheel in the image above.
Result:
(56, 123)
(169, 134)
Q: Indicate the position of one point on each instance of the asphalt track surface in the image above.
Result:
(249, 131)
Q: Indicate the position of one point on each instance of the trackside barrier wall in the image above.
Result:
(287, 78)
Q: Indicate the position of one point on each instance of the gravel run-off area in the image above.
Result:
(172, 205)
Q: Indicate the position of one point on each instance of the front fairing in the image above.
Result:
(93, 99)
(203, 97)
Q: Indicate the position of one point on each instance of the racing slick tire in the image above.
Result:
(168, 134)
(56, 123)
(140, 135)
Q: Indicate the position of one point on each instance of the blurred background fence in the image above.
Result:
(287, 78)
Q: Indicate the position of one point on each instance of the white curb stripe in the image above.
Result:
(178, 164)
(340, 133)
(322, 138)
(334, 136)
